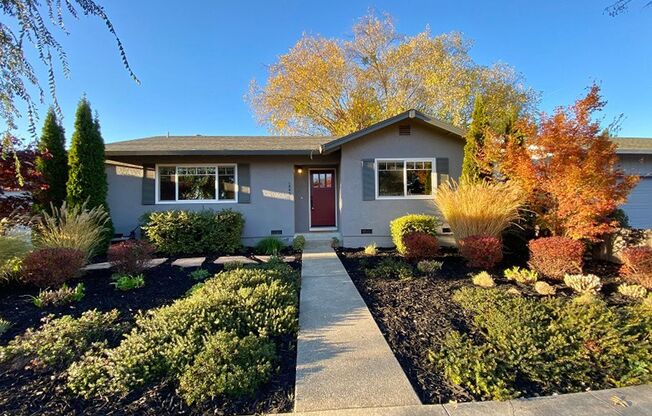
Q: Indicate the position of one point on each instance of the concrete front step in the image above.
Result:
(321, 235)
(626, 401)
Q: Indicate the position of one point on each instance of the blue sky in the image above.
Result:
(195, 62)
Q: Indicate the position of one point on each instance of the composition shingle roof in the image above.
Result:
(633, 144)
(222, 145)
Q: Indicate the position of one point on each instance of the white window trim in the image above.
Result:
(405, 160)
(196, 201)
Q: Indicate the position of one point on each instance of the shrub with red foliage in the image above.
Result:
(554, 257)
(481, 251)
(131, 256)
(51, 267)
(637, 265)
(419, 246)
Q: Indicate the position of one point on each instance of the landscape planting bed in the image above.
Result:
(416, 314)
(27, 391)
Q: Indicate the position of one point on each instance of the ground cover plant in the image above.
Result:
(62, 296)
(42, 344)
(462, 334)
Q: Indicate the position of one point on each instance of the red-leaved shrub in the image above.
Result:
(131, 256)
(481, 251)
(51, 267)
(554, 257)
(419, 246)
(637, 265)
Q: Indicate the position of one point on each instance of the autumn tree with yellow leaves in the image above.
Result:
(335, 86)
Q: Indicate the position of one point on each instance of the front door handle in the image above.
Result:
(312, 205)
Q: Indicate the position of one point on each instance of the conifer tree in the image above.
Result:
(87, 175)
(52, 162)
(474, 141)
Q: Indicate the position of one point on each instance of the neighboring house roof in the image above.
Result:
(217, 145)
(259, 145)
(633, 145)
(410, 114)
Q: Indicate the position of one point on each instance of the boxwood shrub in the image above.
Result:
(167, 342)
(179, 232)
(401, 226)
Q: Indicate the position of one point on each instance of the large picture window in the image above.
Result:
(404, 178)
(215, 183)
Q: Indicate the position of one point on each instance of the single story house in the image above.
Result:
(635, 155)
(347, 187)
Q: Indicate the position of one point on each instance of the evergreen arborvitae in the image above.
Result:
(87, 176)
(474, 141)
(53, 163)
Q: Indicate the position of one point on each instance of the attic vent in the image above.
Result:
(404, 130)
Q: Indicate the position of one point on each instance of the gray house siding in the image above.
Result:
(639, 203)
(357, 213)
(272, 184)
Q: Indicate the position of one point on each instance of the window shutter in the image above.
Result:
(442, 170)
(149, 184)
(244, 183)
(368, 180)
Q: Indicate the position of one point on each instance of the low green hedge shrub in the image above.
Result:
(167, 341)
(544, 346)
(413, 223)
(228, 365)
(180, 232)
(60, 341)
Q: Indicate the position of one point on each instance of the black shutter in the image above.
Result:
(368, 180)
(244, 183)
(442, 170)
(149, 184)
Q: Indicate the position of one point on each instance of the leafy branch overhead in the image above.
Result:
(34, 22)
(335, 86)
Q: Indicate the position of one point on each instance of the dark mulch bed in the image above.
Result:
(28, 392)
(415, 315)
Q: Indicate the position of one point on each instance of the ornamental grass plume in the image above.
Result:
(73, 227)
(479, 207)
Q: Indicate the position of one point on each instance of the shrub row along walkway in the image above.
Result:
(343, 360)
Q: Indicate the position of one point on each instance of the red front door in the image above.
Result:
(322, 198)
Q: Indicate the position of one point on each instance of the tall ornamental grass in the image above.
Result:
(72, 227)
(479, 208)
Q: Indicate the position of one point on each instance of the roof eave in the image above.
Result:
(114, 153)
(634, 151)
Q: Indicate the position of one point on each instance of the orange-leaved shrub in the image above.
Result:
(637, 265)
(131, 256)
(51, 267)
(569, 168)
(481, 251)
(419, 246)
(554, 257)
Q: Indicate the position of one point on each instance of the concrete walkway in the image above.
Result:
(343, 361)
(626, 401)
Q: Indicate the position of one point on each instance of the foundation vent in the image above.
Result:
(277, 232)
(366, 231)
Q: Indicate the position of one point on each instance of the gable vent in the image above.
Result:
(404, 130)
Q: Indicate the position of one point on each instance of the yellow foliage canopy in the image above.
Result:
(332, 86)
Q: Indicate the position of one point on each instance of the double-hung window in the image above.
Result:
(196, 183)
(404, 178)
